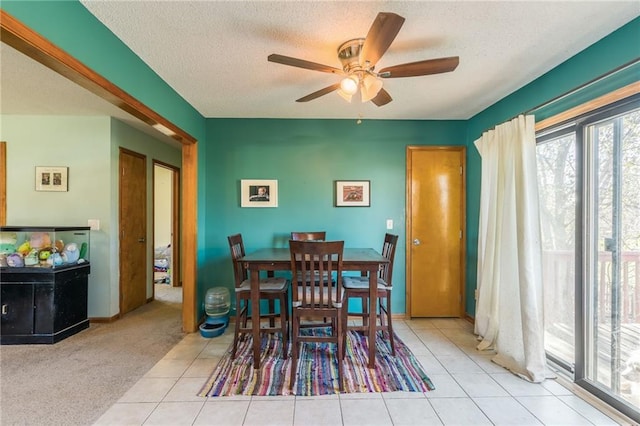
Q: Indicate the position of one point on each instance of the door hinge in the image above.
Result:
(460, 170)
(461, 234)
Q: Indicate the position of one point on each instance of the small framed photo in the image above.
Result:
(353, 193)
(259, 193)
(52, 179)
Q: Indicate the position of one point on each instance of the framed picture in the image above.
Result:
(52, 179)
(353, 193)
(258, 193)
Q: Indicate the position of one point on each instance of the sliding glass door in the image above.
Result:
(612, 269)
(589, 183)
(556, 157)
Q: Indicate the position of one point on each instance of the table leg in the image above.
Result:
(255, 316)
(373, 303)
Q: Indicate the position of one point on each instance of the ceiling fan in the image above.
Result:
(359, 57)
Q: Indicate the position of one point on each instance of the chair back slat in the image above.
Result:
(316, 259)
(388, 252)
(236, 246)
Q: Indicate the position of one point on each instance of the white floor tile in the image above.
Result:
(593, 414)
(411, 412)
(552, 411)
(556, 388)
(519, 387)
(223, 412)
(484, 362)
(201, 367)
(310, 412)
(479, 385)
(148, 390)
(364, 412)
(185, 389)
(430, 364)
(127, 414)
(459, 363)
(169, 368)
(446, 387)
(175, 413)
(506, 411)
(277, 413)
(459, 412)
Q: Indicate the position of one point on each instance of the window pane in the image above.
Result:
(557, 189)
(614, 290)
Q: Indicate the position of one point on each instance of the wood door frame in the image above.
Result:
(175, 221)
(408, 225)
(22, 38)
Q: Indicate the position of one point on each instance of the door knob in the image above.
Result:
(141, 240)
(416, 242)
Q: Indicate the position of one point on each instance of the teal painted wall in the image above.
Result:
(70, 26)
(306, 157)
(610, 53)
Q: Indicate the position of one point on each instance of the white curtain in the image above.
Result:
(509, 307)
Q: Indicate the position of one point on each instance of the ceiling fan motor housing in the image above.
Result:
(349, 55)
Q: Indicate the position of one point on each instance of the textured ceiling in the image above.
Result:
(214, 53)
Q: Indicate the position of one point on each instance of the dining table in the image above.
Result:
(364, 260)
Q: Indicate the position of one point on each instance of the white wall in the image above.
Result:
(162, 206)
(89, 147)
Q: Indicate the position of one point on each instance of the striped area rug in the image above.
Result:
(318, 369)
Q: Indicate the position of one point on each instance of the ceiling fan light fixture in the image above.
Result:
(370, 87)
(344, 95)
(349, 85)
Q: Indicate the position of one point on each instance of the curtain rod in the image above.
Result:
(574, 90)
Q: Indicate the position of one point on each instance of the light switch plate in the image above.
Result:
(94, 224)
(389, 223)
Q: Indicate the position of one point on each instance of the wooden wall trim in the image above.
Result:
(189, 234)
(609, 98)
(33, 45)
(22, 38)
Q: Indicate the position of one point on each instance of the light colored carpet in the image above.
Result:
(74, 381)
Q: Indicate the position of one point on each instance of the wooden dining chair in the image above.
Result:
(315, 302)
(309, 236)
(271, 289)
(358, 287)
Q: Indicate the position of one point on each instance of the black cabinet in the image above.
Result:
(43, 305)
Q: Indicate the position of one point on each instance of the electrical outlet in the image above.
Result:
(389, 224)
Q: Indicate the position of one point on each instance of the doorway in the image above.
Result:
(166, 238)
(435, 231)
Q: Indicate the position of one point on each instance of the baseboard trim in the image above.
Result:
(104, 319)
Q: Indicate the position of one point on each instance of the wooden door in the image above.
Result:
(435, 231)
(133, 230)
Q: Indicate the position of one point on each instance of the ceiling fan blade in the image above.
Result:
(426, 67)
(319, 93)
(382, 98)
(301, 63)
(383, 31)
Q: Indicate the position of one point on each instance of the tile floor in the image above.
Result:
(470, 390)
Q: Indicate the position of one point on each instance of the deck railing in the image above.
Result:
(559, 283)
